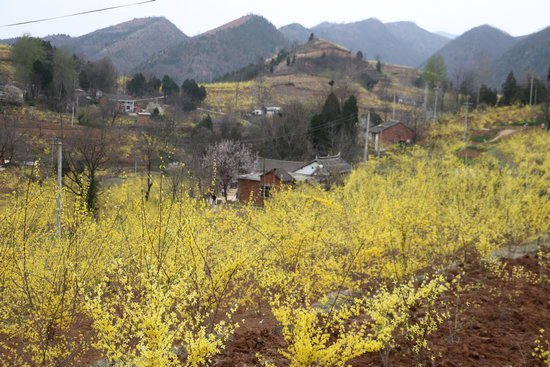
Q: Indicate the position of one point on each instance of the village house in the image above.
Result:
(391, 132)
(127, 103)
(255, 187)
(271, 175)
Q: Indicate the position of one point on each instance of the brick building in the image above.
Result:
(391, 132)
(255, 187)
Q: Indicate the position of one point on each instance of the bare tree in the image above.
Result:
(284, 136)
(8, 140)
(149, 147)
(85, 155)
(225, 160)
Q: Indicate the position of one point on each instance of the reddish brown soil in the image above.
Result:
(499, 328)
(496, 330)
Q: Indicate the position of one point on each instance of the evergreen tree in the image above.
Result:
(153, 86)
(331, 108)
(375, 118)
(487, 95)
(509, 90)
(83, 80)
(137, 86)
(324, 126)
(319, 134)
(192, 91)
(349, 113)
(169, 86)
(206, 123)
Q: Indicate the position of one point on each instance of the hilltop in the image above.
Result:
(127, 44)
(531, 52)
(402, 43)
(216, 52)
(155, 46)
(480, 44)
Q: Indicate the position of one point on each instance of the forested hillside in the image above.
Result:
(212, 54)
(127, 44)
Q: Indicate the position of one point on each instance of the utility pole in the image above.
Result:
(366, 153)
(531, 91)
(467, 104)
(425, 103)
(393, 113)
(436, 90)
(379, 143)
(59, 187)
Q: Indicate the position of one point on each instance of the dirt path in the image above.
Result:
(502, 134)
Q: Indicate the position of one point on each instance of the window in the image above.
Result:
(265, 190)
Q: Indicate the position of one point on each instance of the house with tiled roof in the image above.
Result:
(271, 175)
(391, 131)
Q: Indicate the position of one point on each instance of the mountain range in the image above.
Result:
(402, 43)
(155, 46)
(126, 44)
(219, 51)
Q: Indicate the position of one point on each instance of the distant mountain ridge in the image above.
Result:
(217, 52)
(156, 46)
(530, 52)
(474, 47)
(127, 44)
(401, 43)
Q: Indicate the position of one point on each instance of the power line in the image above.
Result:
(76, 14)
(308, 131)
(188, 139)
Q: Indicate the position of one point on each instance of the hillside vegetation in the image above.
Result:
(127, 44)
(380, 270)
(402, 43)
(483, 44)
(6, 69)
(212, 54)
(530, 53)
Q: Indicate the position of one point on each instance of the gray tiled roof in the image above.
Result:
(386, 125)
(270, 164)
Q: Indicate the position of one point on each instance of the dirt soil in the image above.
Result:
(498, 325)
(502, 134)
(498, 328)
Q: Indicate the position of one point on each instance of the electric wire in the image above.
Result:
(76, 14)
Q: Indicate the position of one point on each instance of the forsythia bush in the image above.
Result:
(159, 279)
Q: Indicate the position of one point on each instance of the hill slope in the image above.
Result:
(127, 44)
(529, 53)
(219, 51)
(402, 43)
(296, 32)
(480, 44)
(418, 39)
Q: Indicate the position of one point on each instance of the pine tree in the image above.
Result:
(349, 113)
(509, 90)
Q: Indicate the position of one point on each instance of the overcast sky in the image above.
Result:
(517, 17)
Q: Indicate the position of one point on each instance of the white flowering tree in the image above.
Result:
(225, 160)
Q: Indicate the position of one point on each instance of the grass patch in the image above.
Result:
(482, 138)
(535, 122)
(475, 147)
